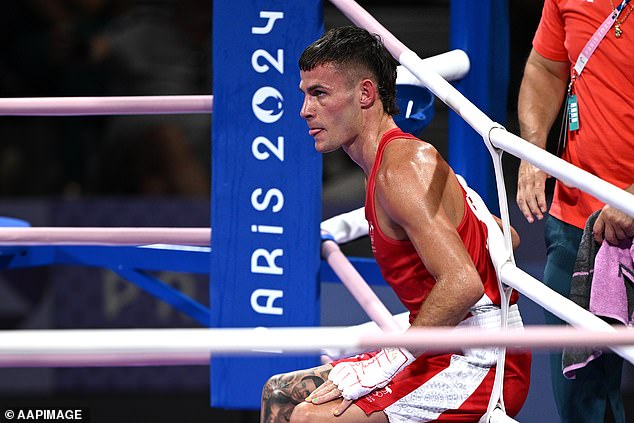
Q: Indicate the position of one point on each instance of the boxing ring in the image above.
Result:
(195, 346)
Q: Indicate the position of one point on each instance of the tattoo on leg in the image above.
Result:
(283, 392)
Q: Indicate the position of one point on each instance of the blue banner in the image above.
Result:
(481, 29)
(266, 187)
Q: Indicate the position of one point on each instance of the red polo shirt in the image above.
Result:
(604, 143)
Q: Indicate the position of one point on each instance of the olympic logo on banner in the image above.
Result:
(267, 105)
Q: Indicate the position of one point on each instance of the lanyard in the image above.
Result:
(599, 34)
(571, 116)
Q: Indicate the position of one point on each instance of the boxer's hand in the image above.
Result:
(328, 391)
(358, 378)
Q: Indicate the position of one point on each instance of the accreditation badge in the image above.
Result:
(573, 113)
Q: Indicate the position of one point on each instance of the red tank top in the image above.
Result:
(398, 260)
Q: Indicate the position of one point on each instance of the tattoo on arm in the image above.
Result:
(283, 392)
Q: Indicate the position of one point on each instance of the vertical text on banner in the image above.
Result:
(266, 187)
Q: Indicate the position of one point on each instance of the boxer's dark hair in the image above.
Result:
(355, 48)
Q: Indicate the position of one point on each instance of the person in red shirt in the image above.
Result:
(600, 140)
(429, 243)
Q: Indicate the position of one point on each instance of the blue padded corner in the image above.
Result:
(416, 106)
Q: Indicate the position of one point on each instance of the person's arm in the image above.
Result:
(417, 198)
(419, 195)
(541, 94)
(613, 225)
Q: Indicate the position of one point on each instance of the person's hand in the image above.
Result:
(531, 191)
(613, 225)
(358, 378)
(328, 391)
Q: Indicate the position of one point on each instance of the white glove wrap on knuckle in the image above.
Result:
(358, 378)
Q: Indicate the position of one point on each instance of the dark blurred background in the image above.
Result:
(158, 47)
(148, 170)
(105, 48)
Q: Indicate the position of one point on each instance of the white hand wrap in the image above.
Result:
(358, 378)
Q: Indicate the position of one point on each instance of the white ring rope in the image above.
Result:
(189, 342)
(12, 236)
(563, 170)
(451, 65)
(92, 106)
